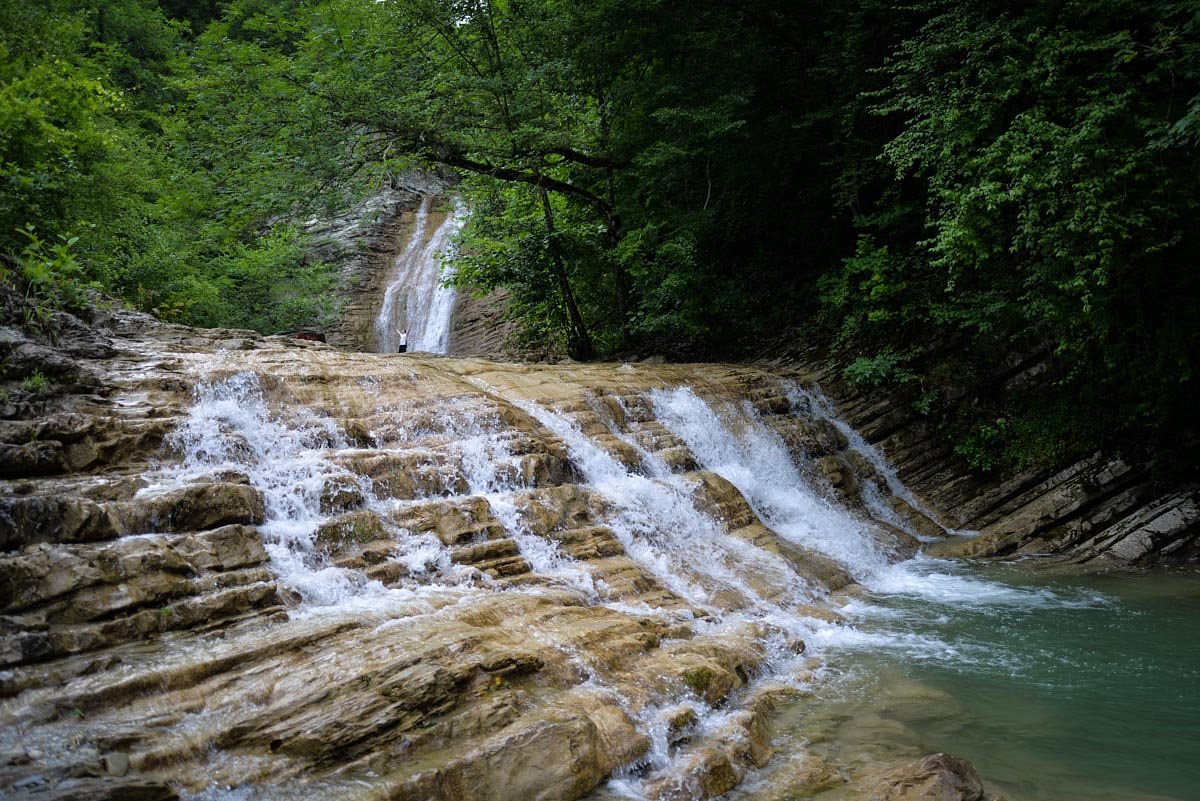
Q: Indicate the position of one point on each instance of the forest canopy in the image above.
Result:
(943, 193)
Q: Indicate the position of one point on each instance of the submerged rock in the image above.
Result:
(938, 777)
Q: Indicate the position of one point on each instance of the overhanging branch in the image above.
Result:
(449, 154)
(453, 159)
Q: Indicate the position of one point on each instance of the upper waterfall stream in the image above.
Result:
(415, 299)
(371, 576)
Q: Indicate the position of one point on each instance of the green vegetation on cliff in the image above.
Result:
(955, 196)
(106, 156)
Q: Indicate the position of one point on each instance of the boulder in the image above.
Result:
(29, 519)
(937, 777)
(31, 459)
(193, 508)
(340, 494)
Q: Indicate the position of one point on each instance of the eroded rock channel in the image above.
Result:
(255, 567)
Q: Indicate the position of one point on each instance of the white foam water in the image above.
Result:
(492, 471)
(393, 312)
(231, 429)
(657, 522)
(755, 459)
(416, 298)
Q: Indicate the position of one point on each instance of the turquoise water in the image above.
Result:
(1058, 687)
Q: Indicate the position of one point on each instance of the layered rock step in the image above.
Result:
(384, 576)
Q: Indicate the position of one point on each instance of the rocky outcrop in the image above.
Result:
(361, 243)
(480, 327)
(1098, 511)
(384, 576)
(938, 777)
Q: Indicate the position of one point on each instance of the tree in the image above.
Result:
(1055, 210)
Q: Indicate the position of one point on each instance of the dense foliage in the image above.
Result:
(107, 178)
(993, 206)
(1042, 208)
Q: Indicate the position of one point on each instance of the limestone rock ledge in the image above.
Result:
(154, 647)
(1099, 512)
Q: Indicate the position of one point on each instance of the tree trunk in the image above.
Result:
(581, 343)
(613, 226)
(612, 236)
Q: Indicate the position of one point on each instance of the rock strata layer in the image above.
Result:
(1098, 511)
(234, 561)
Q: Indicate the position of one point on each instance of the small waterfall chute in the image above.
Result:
(416, 299)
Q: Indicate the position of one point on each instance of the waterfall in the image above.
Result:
(231, 430)
(758, 463)
(658, 522)
(653, 512)
(737, 446)
(814, 402)
(415, 297)
(717, 583)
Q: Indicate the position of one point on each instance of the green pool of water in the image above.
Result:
(1057, 687)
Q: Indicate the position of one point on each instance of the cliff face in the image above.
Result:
(1098, 511)
(479, 327)
(234, 561)
(364, 243)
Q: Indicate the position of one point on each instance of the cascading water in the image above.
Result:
(415, 298)
(728, 582)
(418, 499)
(813, 402)
(655, 516)
(393, 313)
(231, 428)
(757, 461)
(658, 523)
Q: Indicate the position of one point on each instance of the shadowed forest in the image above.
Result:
(937, 192)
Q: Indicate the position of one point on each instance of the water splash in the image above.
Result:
(757, 461)
(493, 471)
(659, 525)
(231, 431)
(815, 403)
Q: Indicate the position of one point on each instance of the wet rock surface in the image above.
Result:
(1099, 511)
(938, 777)
(403, 579)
